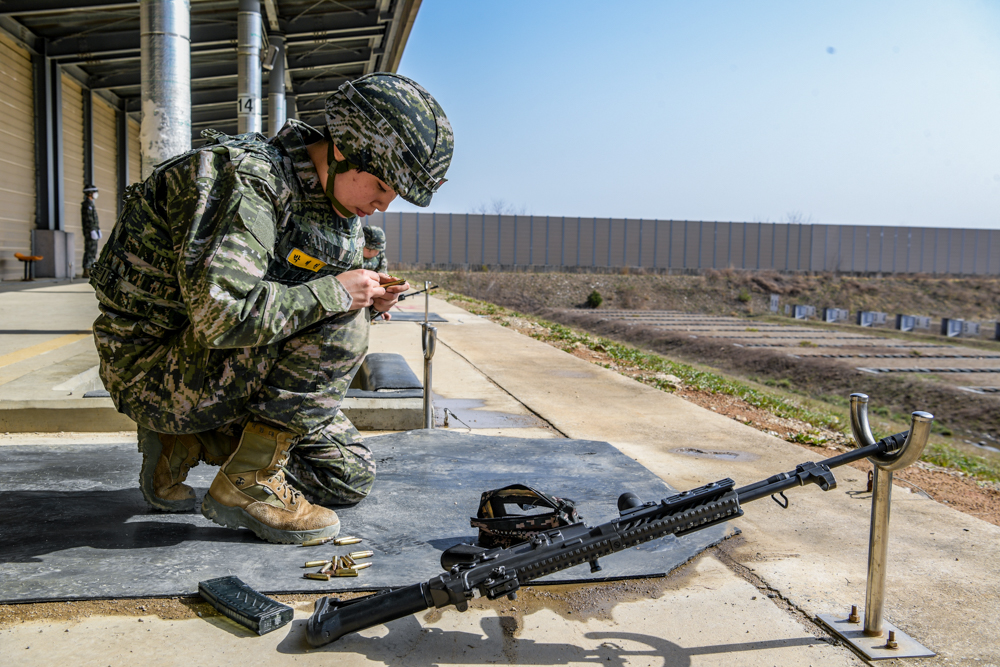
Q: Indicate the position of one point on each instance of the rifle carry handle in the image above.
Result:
(332, 619)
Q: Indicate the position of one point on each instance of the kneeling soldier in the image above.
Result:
(234, 306)
(374, 251)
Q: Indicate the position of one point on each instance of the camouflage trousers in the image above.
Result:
(297, 384)
(89, 252)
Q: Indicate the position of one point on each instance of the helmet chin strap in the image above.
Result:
(331, 172)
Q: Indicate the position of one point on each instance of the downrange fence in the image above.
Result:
(474, 239)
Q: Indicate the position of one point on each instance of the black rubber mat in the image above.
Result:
(73, 524)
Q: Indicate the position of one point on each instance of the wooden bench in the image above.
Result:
(28, 261)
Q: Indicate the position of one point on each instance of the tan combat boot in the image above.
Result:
(166, 459)
(250, 491)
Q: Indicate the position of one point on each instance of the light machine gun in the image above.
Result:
(494, 573)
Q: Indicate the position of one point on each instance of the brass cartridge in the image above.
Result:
(361, 566)
(317, 575)
(358, 555)
(341, 541)
(316, 563)
(346, 572)
(316, 542)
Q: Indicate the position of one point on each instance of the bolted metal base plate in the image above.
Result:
(874, 648)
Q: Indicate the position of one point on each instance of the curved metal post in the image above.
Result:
(878, 536)
(428, 340)
(899, 645)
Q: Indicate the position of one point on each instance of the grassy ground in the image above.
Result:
(829, 419)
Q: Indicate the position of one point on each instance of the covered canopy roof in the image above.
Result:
(327, 42)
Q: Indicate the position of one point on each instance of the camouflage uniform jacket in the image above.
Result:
(235, 239)
(377, 263)
(88, 218)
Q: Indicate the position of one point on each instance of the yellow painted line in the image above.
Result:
(41, 348)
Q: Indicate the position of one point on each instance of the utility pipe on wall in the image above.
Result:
(249, 67)
(165, 41)
(276, 86)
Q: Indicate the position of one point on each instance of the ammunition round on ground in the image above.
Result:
(361, 566)
(341, 541)
(330, 566)
(316, 542)
(349, 572)
(317, 575)
(346, 561)
(316, 563)
(358, 555)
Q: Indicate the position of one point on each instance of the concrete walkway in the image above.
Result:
(747, 603)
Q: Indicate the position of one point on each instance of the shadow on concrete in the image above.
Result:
(409, 643)
(35, 523)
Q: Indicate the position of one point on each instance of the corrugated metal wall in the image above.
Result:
(477, 239)
(72, 130)
(17, 159)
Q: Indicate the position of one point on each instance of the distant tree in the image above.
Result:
(797, 218)
(500, 206)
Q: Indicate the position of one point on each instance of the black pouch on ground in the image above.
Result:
(244, 605)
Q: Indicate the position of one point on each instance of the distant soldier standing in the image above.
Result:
(235, 308)
(91, 228)
(375, 250)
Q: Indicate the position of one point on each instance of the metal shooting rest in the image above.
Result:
(869, 633)
(428, 341)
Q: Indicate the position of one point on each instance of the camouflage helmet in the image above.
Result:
(374, 238)
(389, 126)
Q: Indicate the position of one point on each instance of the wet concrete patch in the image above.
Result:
(709, 454)
(468, 411)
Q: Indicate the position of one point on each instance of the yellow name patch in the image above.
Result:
(304, 261)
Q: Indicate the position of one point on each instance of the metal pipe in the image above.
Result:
(429, 342)
(165, 41)
(878, 551)
(248, 66)
(859, 420)
(878, 535)
(427, 301)
(276, 87)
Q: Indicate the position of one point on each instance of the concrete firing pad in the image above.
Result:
(73, 524)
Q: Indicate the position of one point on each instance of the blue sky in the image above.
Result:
(844, 112)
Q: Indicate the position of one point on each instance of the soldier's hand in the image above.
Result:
(391, 296)
(363, 286)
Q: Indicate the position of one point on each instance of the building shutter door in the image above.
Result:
(17, 159)
(72, 130)
(105, 165)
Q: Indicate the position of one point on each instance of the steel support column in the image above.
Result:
(165, 40)
(47, 144)
(276, 86)
(248, 66)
